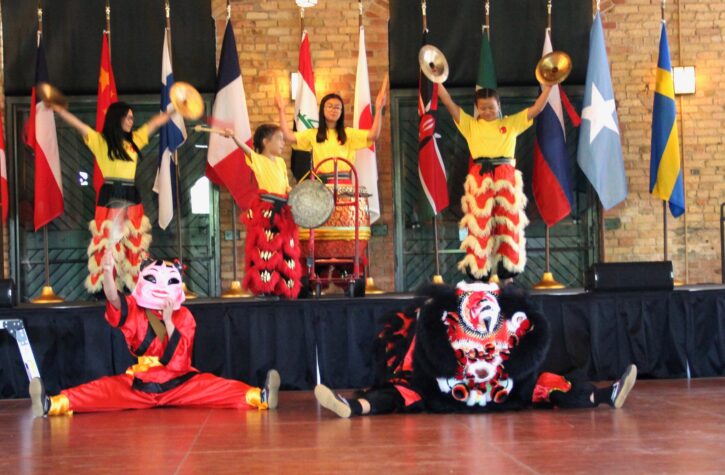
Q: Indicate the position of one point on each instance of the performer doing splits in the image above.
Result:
(160, 332)
(117, 151)
(493, 201)
(272, 247)
(471, 348)
(332, 139)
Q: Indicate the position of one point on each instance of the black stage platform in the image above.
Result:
(667, 334)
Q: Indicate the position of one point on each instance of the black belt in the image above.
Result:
(488, 164)
(118, 194)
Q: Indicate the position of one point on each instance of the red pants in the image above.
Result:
(114, 393)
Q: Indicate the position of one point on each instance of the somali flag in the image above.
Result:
(665, 180)
(172, 135)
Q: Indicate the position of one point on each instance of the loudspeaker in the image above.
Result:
(617, 276)
(8, 297)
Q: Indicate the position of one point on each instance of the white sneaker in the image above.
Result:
(38, 398)
(271, 389)
(334, 402)
(621, 389)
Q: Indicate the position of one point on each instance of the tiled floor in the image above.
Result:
(672, 426)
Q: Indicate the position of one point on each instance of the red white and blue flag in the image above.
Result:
(171, 136)
(552, 184)
(43, 138)
(226, 165)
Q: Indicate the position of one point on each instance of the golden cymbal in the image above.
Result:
(186, 100)
(49, 94)
(433, 64)
(553, 68)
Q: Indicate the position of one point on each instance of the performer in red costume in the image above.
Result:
(272, 249)
(160, 332)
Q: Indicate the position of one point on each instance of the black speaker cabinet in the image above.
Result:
(618, 276)
(8, 297)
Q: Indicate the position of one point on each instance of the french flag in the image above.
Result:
(226, 165)
(42, 137)
(172, 135)
(552, 178)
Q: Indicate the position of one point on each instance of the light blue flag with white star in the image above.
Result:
(600, 149)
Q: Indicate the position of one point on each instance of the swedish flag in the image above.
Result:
(665, 171)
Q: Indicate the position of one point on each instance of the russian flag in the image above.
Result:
(226, 165)
(552, 178)
(172, 135)
(42, 137)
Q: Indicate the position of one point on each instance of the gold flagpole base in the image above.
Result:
(437, 279)
(235, 291)
(189, 294)
(47, 296)
(371, 288)
(549, 282)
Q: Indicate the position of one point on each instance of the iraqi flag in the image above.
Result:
(3, 176)
(365, 159)
(552, 177)
(171, 136)
(306, 111)
(107, 95)
(226, 165)
(42, 137)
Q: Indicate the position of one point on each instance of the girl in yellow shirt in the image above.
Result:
(119, 222)
(332, 139)
(272, 247)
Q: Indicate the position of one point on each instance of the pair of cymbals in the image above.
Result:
(551, 69)
(184, 97)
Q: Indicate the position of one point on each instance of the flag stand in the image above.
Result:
(47, 295)
(675, 282)
(235, 290)
(437, 278)
(189, 294)
(547, 280)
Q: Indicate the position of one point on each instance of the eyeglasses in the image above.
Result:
(333, 107)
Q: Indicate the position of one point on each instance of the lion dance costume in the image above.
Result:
(163, 375)
(493, 202)
(272, 247)
(119, 216)
(473, 348)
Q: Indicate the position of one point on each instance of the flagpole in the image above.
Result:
(547, 280)
(2, 205)
(664, 203)
(47, 295)
(682, 143)
(235, 289)
(437, 278)
(189, 294)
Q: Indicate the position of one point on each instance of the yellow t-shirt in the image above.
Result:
(117, 168)
(356, 139)
(271, 174)
(496, 138)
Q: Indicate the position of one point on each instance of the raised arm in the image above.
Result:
(540, 102)
(109, 283)
(72, 120)
(229, 133)
(380, 102)
(286, 131)
(155, 122)
(452, 107)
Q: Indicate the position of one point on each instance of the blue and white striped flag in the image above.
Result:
(172, 135)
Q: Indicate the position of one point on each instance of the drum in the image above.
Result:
(311, 203)
(336, 237)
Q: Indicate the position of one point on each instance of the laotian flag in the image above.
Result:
(552, 177)
(226, 165)
(43, 138)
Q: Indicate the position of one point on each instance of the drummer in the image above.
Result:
(332, 139)
(272, 245)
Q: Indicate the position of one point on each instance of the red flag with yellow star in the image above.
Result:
(106, 96)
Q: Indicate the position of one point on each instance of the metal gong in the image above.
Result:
(312, 204)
